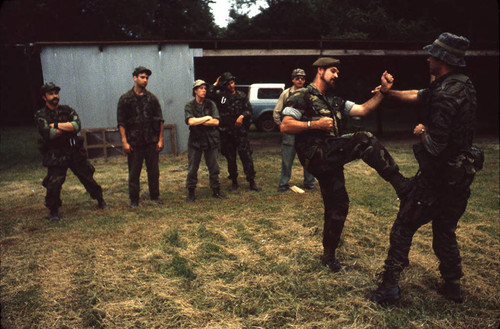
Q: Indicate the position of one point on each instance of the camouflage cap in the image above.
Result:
(298, 73)
(326, 62)
(226, 77)
(198, 83)
(48, 87)
(141, 69)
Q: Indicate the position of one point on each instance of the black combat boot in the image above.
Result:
(254, 186)
(451, 290)
(190, 198)
(328, 259)
(401, 185)
(54, 215)
(101, 204)
(234, 185)
(216, 194)
(388, 291)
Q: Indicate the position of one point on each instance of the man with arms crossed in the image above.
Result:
(203, 118)
(61, 148)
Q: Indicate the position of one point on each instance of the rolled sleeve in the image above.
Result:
(293, 112)
(348, 107)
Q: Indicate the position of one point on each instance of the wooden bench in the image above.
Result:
(107, 141)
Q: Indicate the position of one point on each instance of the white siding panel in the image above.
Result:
(92, 80)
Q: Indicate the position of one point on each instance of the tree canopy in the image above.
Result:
(82, 20)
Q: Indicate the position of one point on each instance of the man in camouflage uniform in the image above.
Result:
(447, 164)
(317, 118)
(235, 118)
(202, 117)
(61, 148)
(140, 122)
(287, 148)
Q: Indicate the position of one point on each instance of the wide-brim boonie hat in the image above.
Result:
(449, 48)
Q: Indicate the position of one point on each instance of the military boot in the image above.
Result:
(388, 291)
(401, 185)
(101, 204)
(254, 186)
(234, 185)
(216, 194)
(451, 290)
(328, 259)
(190, 198)
(54, 215)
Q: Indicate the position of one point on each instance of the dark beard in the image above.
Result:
(328, 83)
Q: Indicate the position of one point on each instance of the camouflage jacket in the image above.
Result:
(313, 105)
(56, 150)
(449, 115)
(200, 136)
(141, 117)
(230, 107)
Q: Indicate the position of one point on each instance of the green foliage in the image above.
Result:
(367, 19)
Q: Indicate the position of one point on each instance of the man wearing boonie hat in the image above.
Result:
(317, 118)
(202, 117)
(62, 149)
(287, 147)
(447, 165)
(140, 122)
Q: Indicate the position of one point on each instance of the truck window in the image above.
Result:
(269, 93)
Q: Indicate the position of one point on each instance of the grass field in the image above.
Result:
(251, 261)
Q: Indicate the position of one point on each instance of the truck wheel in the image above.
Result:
(266, 123)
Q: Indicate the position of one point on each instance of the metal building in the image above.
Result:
(92, 78)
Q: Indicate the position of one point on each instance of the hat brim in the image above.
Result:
(446, 56)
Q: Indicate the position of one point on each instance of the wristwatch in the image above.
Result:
(56, 125)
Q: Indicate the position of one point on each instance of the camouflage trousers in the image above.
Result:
(139, 155)
(327, 165)
(56, 175)
(428, 203)
(194, 159)
(233, 142)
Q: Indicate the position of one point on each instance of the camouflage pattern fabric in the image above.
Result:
(56, 175)
(234, 140)
(324, 154)
(135, 159)
(200, 136)
(442, 187)
(63, 152)
(141, 116)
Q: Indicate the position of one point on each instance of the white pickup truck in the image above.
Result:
(263, 98)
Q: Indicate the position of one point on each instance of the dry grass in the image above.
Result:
(251, 261)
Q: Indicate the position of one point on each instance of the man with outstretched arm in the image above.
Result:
(447, 165)
(317, 118)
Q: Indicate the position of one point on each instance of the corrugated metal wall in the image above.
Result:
(93, 79)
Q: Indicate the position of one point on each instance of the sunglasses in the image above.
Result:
(299, 78)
